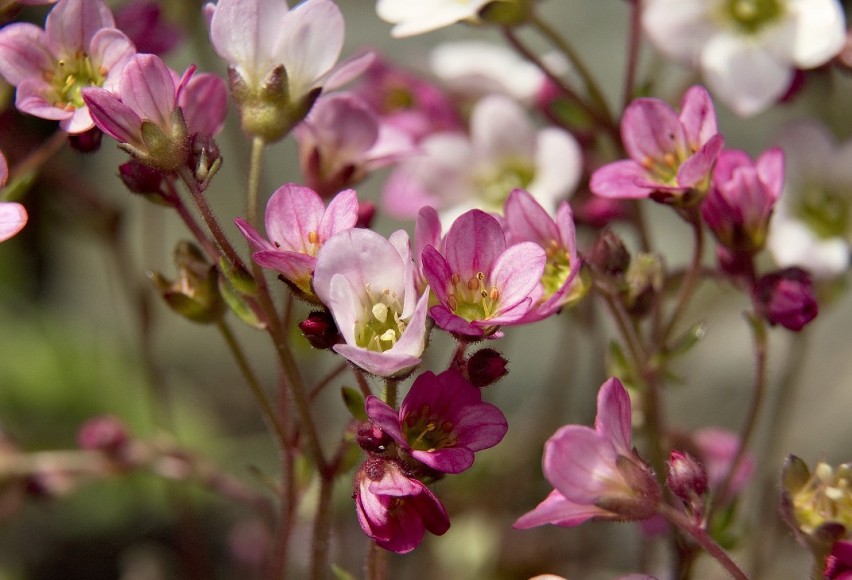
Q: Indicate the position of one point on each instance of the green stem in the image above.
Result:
(190, 222)
(632, 53)
(257, 147)
(573, 56)
(680, 521)
(391, 392)
(693, 274)
(257, 391)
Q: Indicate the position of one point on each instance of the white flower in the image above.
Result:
(747, 50)
(504, 151)
(476, 68)
(812, 224)
(418, 16)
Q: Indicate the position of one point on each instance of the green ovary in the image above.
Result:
(71, 76)
(751, 15)
(379, 327)
(473, 299)
(825, 212)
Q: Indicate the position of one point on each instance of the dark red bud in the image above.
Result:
(609, 254)
(686, 476)
(320, 330)
(88, 142)
(486, 367)
(366, 213)
(105, 433)
(372, 439)
(139, 178)
(786, 297)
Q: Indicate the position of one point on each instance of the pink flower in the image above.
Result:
(367, 282)
(280, 59)
(395, 510)
(154, 114)
(143, 22)
(297, 225)
(671, 155)
(527, 221)
(79, 47)
(480, 281)
(341, 140)
(742, 196)
(441, 422)
(13, 216)
(595, 472)
(717, 448)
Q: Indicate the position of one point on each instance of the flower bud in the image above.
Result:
(786, 297)
(204, 159)
(105, 433)
(88, 142)
(195, 294)
(372, 439)
(366, 213)
(485, 367)
(644, 281)
(609, 254)
(686, 477)
(320, 329)
(140, 178)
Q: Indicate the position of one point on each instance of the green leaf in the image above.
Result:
(354, 401)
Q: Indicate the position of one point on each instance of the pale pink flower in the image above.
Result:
(671, 154)
(342, 139)
(526, 221)
(504, 151)
(716, 448)
(297, 225)
(747, 50)
(595, 473)
(367, 282)
(154, 114)
(394, 509)
(480, 281)
(79, 47)
(13, 216)
(442, 421)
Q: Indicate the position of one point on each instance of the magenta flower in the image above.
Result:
(79, 47)
(480, 281)
(395, 510)
(13, 216)
(342, 139)
(441, 422)
(280, 59)
(367, 282)
(143, 22)
(527, 221)
(595, 472)
(154, 114)
(671, 155)
(742, 196)
(297, 225)
(838, 564)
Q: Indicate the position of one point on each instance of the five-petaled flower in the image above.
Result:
(367, 282)
(595, 472)
(671, 154)
(79, 47)
(480, 281)
(297, 225)
(441, 422)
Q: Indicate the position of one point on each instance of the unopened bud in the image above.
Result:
(140, 178)
(195, 293)
(609, 254)
(687, 479)
(105, 433)
(372, 439)
(204, 159)
(320, 330)
(87, 142)
(644, 282)
(485, 367)
(786, 297)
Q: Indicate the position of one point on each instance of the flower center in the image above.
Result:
(751, 15)
(379, 326)
(472, 299)
(825, 212)
(425, 432)
(398, 98)
(827, 497)
(71, 76)
(495, 186)
(556, 269)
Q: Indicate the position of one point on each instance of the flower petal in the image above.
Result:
(23, 53)
(309, 43)
(555, 509)
(13, 218)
